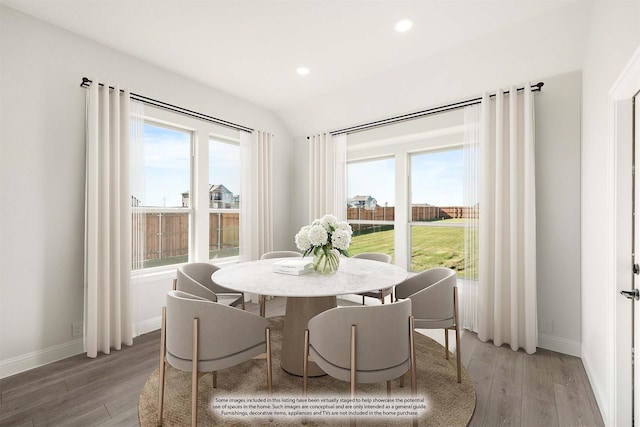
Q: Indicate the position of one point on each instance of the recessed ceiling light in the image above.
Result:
(403, 25)
(303, 71)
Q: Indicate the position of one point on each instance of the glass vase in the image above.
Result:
(326, 263)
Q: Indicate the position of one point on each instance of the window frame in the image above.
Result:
(236, 142)
(201, 131)
(376, 144)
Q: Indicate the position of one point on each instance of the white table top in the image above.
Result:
(355, 275)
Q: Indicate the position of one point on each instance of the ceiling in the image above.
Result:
(251, 49)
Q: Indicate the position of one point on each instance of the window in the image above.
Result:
(423, 168)
(224, 198)
(165, 203)
(437, 215)
(190, 201)
(370, 200)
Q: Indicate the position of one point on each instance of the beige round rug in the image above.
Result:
(447, 402)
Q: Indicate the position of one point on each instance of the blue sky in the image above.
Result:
(167, 160)
(167, 164)
(436, 178)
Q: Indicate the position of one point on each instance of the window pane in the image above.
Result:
(371, 183)
(437, 198)
(438, 247)
(372, 238)
(167, 164)
(167, 157)
(371, 197)
(224, 199)
(437, 185)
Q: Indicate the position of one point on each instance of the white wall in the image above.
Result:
(558, 136)
(558, 121)
(614, 34)
(547, 45)
(42, 178)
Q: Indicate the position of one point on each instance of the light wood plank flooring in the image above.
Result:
(513, 388)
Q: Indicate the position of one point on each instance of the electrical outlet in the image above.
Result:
(546, 325)
(76, 329)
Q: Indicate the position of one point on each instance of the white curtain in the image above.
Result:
(108, 319)
(263, 183)
(256, 192)
(327, 176)
(246, 196)
(507, 289)
(468, 285)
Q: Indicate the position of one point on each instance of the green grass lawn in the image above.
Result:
(432, 247)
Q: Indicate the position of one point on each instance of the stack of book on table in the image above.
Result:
(293, 266)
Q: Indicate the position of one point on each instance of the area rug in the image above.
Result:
(442, 401)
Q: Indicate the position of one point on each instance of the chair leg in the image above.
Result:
(457, 325)
(458, 354)
(305, 368)
(362, 299)
(243, 307)
(446, 343)
(354, 384)
(402, 380)
(389, 388)
(214, 375)
(194, 376)
(383, 295)
(269, 370)
(175, 284)
(161, 369)
(305, 363)
(412, 350)
(262, 305)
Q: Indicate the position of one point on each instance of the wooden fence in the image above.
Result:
(166, 235)
(418, 213)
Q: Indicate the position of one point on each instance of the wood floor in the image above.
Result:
(513, 388)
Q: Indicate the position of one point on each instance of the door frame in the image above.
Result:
(619, 262)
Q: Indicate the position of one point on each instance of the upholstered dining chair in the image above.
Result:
(434, 297)
(362, 344)
(195, 278)
(280, 254)
(382, 293)
(199, 335)
(271, 255)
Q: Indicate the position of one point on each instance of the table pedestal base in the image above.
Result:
(298, 313)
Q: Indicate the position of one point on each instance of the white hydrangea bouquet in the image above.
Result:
(326, 238)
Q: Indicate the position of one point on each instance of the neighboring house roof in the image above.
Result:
(218, 188)
(212, 189)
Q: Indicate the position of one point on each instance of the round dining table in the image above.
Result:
(307, 294)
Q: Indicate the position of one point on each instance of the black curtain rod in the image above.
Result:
(534, 88)
(154, 102)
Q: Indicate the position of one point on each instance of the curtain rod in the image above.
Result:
(154, 102)
(534, 88)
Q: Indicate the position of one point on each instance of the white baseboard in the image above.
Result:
(32, 360)
(149, 325)
(560, 345)
(597, 390)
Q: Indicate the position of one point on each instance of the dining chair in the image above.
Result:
(195, 278)
(199, 335)
(434, 297)
(382, 293)
(362, 344)
(271, 255)
(280, 254)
